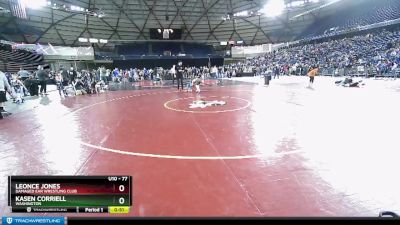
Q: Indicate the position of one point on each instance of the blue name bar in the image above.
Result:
(32, 220)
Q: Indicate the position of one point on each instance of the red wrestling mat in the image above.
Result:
(265, 152)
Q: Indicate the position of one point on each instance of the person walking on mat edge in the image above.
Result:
(179, 75)
(312, 73)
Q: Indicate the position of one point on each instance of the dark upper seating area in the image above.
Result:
(158, 49)
(11, 61)
(137, 49)
(361, 13)
(198, 49)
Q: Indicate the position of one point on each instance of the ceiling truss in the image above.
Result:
(200, 20)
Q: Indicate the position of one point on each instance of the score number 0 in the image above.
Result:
(121, 200)
(121, 188)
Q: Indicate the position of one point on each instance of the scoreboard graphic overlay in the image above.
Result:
(70, 194)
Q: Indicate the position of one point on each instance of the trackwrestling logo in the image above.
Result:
(204, 104)
(33, 220)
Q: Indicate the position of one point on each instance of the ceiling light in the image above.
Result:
(37, 4)
(297, 3)
(274, 8)
(244, 13)
(93, 40)
(83, 40)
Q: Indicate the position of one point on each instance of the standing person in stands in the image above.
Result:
(115, 75)
(313, 72)
(23, 74)
(173, 73)
(179, 74)
(42, 76)
(59, 82)
(97, 73)
(394, 70)
(4, 86)
(103, 74)
(135, 75)
(65, 77)
(214, 72)
(72, 74)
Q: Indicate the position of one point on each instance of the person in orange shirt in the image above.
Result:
(312, 73)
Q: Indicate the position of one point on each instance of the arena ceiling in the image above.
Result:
(130, 20)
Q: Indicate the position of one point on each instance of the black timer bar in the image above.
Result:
(231, 220)
(182, 220)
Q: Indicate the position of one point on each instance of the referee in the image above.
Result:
(179, 74)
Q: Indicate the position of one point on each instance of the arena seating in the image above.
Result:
(377, 53)
(12, 61)
(368, 12)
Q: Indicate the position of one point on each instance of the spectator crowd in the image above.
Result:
(376, 53)
(373, 54)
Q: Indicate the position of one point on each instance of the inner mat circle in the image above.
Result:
(231, 104)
